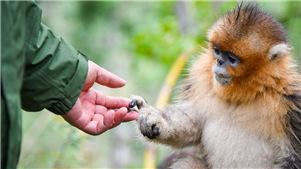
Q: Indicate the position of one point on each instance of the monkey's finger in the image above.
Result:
(133, 103)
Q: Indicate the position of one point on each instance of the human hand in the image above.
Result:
(94, 112)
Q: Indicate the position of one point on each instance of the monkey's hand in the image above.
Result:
(173, 126)
(150, 119)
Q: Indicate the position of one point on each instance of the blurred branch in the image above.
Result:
(171, 79)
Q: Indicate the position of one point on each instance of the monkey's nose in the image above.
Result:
(220, 61)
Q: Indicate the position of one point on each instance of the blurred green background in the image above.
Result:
(138, 41)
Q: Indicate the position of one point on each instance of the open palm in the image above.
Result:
(94, 112)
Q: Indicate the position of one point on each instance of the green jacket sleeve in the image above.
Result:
(54, 72)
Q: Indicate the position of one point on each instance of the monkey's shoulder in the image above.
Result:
(294, 129)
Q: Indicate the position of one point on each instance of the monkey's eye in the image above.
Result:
(216, 51)
(232, 59)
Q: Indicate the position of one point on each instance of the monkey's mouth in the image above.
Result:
(221, 75)
(222, 78)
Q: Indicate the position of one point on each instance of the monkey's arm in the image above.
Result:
(175, 126)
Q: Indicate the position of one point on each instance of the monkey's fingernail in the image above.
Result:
(133, 103)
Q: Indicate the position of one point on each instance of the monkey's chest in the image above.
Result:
(227, 146)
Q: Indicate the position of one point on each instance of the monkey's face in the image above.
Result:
(240, 43)
(248, 50)
(224, 60)
(234, 60)
(238, 60)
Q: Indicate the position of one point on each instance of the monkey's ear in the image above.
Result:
(279, 50)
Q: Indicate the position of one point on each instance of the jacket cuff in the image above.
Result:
(73, 89)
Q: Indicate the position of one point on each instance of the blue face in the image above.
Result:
(224, 59)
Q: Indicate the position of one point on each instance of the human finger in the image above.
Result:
(132, 115)
(96, 126)
(109, 119)
(119, 115)
(97, 117)
(111, 102)
(99, 109)
(107, 78)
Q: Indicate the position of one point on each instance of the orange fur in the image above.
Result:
(258, 83)
(251, 43)
(248, 109)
